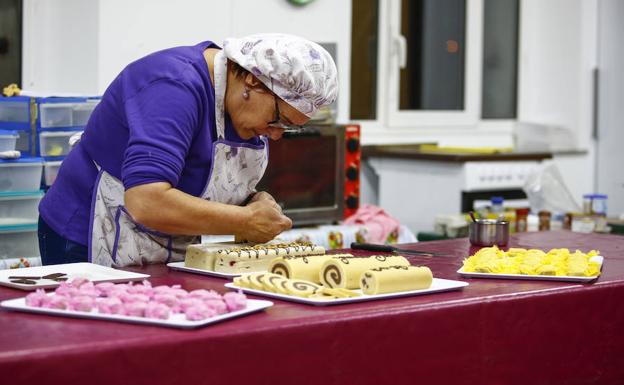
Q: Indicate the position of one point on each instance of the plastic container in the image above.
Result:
(56, 114)
(496, 205)
(8, 139)
(66, 114)
(15, 112)
(19, 209)
(82, 112)
(23, 142)
(55, 143)
(19, 242)
(20, 175)
(599, 204)
(50, 171)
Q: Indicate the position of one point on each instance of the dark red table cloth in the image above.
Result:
(491, 332)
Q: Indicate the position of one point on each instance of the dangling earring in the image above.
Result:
(246, 94)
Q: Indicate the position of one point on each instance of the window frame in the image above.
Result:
(395, 125)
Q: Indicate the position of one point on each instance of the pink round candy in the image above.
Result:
(163, 289)
(81, 303)
(145, 289)
(166, 299)
(134, 309)
(235, 301)
(199, 312)
(79, 281)
(185, 303)
(130, 298)
(204, 294)
(88, 291)
(110, 306)
(157, 311)
(179, 293)
(216, 304)
(57, 302)
(104, 288)
(66, 289)
(37, 299)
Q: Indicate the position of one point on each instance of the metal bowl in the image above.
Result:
(489, 232)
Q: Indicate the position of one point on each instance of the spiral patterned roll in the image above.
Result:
(301, 288)
(345, 271)
(394, 279)
(301, 267)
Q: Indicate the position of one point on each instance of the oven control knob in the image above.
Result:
(352, 172)
(352, 201)
(353, 144)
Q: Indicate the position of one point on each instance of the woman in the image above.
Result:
(167, 156)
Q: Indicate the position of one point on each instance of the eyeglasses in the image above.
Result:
(277, 122)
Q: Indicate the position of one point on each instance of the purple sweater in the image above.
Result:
(155, 123)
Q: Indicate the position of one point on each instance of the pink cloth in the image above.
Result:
(378, 222)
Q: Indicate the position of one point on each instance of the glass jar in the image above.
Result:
(521, 220)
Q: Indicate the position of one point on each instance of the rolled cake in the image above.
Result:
(346, 271)
(202, 256)
(392, 279)
(301, 288)
(257, 258)
(300, 267)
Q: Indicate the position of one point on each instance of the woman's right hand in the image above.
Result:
(266, 221)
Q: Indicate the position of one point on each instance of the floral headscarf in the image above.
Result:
(297, 70)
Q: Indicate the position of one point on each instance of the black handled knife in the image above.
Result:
(390, 249)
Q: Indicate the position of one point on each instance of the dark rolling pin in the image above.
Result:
(389, 249)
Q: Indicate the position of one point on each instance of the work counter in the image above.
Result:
(491, 332)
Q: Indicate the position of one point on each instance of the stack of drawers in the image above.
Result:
(40, 129)
(57, 119)
(20, 180)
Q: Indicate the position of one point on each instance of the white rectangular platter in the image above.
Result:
(174, 321)
(179, 266)
(562, 278)
(90, 271)
(437, 286)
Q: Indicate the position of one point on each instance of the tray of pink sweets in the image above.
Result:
(169, 306)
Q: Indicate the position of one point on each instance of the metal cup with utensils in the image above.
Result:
(489, 232)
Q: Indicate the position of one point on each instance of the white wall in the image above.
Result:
(557, 55)
(59, 53)
(81, 45)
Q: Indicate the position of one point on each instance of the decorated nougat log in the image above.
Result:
(257, 258)
(343, 271)
(202, 256)
(300, 267)
(393, 279)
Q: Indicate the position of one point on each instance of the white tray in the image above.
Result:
(90, 271)
(180, 267)
(175, 321)
(437, 286)
(562, 278)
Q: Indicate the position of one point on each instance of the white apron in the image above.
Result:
(117, 240)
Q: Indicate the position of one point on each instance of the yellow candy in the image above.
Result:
(556, 262)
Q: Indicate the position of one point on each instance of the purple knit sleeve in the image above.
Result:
(162, 119)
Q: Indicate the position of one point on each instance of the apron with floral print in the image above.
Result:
(117, 240)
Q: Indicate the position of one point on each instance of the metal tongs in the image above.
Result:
(391, 249)
(32, 280)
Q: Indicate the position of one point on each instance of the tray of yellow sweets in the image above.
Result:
(533, 264)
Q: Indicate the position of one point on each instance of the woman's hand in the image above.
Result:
(266, 220)
(261, 195)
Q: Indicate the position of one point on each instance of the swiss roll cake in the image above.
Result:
(345, 271)
(392, 279)
(300, 267)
